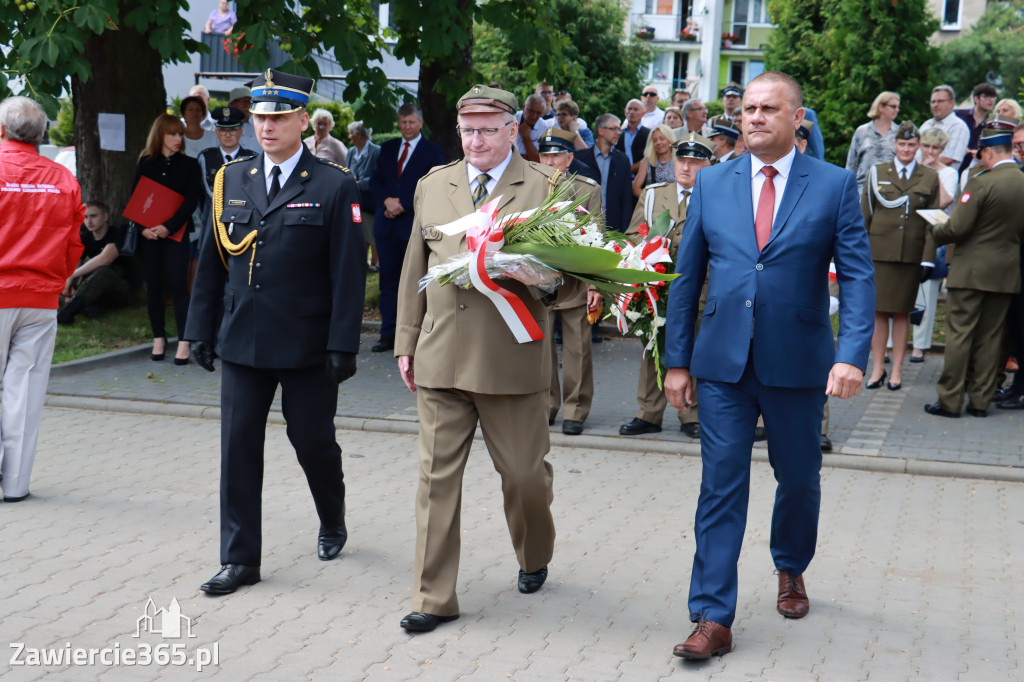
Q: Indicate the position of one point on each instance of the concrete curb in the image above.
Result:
(892, 465)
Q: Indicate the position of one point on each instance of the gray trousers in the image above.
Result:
(27, 336)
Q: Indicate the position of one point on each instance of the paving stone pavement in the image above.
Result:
(876, 425)
(916, 577)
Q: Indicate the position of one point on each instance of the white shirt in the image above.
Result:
(412, 147)
(535, 132)
(287, 167)
(682, 192)
(959, 135)
(652, 118)
(495, 174)
(783, 165)
(234, 153)
(900, 167)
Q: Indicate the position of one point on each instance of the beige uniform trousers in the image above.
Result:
(577, 366)
(515, 432)
(974, 323)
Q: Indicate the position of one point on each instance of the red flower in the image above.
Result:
(643, 230)
(654, 294)
(659, 267)
(616, 248)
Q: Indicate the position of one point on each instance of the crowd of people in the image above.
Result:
(265, 253)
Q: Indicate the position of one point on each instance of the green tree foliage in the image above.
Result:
(846, 52)
(995, 46)
(599, 68)
(63, 133)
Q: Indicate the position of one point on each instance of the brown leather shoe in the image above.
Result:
(793, 601)
(707, 639)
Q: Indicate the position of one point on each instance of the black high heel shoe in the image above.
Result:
(157, 357)
(877, 384)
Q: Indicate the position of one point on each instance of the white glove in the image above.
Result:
(833, 305)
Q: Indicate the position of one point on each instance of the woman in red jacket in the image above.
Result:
(164, 249)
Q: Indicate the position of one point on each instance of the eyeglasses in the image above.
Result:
(1019, 146)
(547, 92)
(940, 101)
(485, 132)
(649, 94)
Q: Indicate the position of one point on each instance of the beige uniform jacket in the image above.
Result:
(986, 226)
(457, 336)
(666, 197)
(898, 235)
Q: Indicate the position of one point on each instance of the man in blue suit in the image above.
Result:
(403, 161)
(613, 168)
(763, 229)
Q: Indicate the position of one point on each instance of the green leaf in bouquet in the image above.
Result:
(606, 286)
(582, 259)
(661, 226)
(635, 276)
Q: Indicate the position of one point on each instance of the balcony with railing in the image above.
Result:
(222, 61)
(665, 28)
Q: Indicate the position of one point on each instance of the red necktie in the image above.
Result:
(765, 208)
(401, 159)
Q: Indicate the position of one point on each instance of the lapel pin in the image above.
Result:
(252, 172)
(304, 174)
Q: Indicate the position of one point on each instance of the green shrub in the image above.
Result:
(63, 133)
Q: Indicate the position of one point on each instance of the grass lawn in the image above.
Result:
(128, 327)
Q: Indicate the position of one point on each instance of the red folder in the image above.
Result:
(153, 204)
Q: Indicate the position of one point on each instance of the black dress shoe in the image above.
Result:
(1001, 394)
(531, 582)
(760, 434)
(1014, 403)
(893, 387)
(19, 498)
(330, 541)
(181, 361)
(638, 426)
(826, 443)
(975, 412)
(383, 344)
(935, 409)
(692, 430)
(571, 427)
(916, 359)
(424, 622)
(230, 578)
(877, 384)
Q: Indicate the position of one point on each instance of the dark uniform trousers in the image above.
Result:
(448, 418)
(974, 339)
(577, 365)
(309, 400)
(105, 286)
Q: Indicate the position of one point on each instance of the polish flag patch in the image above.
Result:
(357, 215)
(965, 198)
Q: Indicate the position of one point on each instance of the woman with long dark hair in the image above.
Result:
(163, 249)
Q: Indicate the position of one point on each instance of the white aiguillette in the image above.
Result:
(934, 216)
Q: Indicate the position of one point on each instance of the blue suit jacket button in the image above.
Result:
(759, 266)
(749, 304)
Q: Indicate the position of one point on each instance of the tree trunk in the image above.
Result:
(126, 79)
(437, 103)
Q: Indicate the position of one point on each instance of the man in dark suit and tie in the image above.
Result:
(613, 168)
(763, 230)
(403, 161)
(279, 296)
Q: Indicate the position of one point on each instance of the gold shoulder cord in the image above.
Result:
(223, 242)
(553, 181)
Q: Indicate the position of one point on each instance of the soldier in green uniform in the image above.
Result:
(901, 246)
(459, 356)
(556, 151)
(984, 274)
(693, 152)
(279, 295)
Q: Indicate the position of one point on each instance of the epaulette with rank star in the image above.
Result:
(584, 178)
(332, 163)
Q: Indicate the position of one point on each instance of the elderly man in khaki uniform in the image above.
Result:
(556, 150)
(693, 152)
(459, 356)
(984, 274)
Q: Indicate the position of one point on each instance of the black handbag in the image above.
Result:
(131, 239)
(917, 314)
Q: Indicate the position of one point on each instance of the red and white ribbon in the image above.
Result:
(484, 235)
